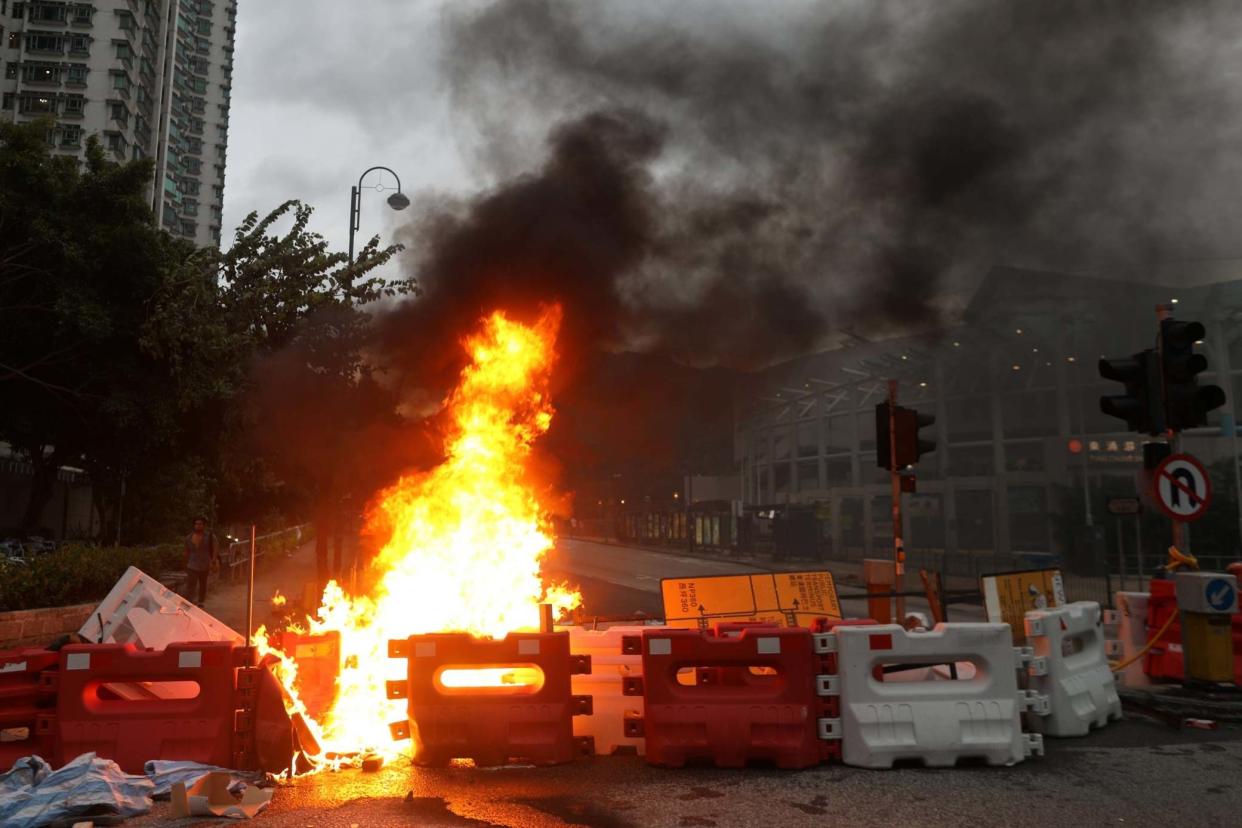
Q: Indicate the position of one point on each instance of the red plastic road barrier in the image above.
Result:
(318, 658)
(530, 721)
(22, 701)
(1164, 659)
(204, 715)
(771, 716)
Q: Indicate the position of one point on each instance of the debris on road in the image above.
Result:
(33, 795)
(141, 611)
(212, 795)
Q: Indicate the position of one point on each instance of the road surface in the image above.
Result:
(618, 580)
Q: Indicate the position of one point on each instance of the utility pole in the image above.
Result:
(894, 476)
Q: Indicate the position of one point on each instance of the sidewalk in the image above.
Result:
(288, 573)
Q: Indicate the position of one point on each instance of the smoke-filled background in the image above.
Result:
(730, 183)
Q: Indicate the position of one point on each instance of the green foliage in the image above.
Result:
(133, 354)
(78, 574)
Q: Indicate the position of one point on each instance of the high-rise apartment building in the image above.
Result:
(150, 78)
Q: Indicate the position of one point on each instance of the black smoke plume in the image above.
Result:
(732, 182)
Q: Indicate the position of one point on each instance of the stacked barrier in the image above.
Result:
(1073, 671)
(610, 668)
(205, 722)
(749, 694)
(936, 722)
(492, 724)
(24, 699)
(1165, 659)
(1128, 636)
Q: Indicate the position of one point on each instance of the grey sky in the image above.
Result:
(323, 91)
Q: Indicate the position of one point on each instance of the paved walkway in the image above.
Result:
(290, 573)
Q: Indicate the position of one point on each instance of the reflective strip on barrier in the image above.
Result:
(937, 722)
(491, 721)
(1081, 691)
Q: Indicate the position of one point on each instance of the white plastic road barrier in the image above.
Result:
(140, 610)
(1130, 620)
(1077, 680)
(937, 722)
(609, 668)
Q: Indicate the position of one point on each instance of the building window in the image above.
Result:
(76, 74)
(1028, 519)
(118, 111)
(44, 13)
(7, 101)
(37, 104)
(10, 70)
(15, 40)
(41, 73)
(75, 105)
(79, 44)
(123, 52)
(82, 14)
(39, 42)
(974, 520)
(70, 135)
(808, 475)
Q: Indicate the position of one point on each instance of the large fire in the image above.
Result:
(465, 540)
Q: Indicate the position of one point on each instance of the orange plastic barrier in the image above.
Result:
(760, 700)
(23, 700)
(318, 657)
(492, 701)
(202, 713)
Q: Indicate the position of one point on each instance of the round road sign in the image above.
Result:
(1182, 487)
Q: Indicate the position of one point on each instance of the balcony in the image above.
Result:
(37, 74)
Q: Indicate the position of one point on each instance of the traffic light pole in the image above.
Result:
(1164, 312)
(899, 551)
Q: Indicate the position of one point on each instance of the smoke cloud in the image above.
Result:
(733, 182)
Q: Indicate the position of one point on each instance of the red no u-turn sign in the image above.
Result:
(1181, 487)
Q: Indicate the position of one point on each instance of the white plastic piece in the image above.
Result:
(528, 646)
(768, 646)
(141, 611)
(78, 661)
(936, 721)
(609, 669)
(827, 686)
(829, 729)
(659, 646)
(825, 643)
(1034, 744)
(1079, 685)
(1131, 637)
(189, 659)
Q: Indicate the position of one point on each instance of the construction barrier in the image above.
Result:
(23, 700)
(201, 712)
(1070, 667)
(935, 722)
(760, 701)
(492, 701)
(318, 656)
(1164, 661)
(1126, 635)
(604, 684)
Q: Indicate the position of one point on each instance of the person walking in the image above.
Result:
(201, 558)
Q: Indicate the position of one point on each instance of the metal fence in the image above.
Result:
(236, 556)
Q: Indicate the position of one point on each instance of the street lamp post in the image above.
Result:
(397, 201)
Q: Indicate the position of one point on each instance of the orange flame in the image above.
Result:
(465, 539)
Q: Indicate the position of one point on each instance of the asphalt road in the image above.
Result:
(1135, 772)
(619, 580)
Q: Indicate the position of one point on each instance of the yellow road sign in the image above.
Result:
(791, 599)
(1008, 596)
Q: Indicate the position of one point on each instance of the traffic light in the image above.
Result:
(1186, 402)
(909, 445)
(1141, 406)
